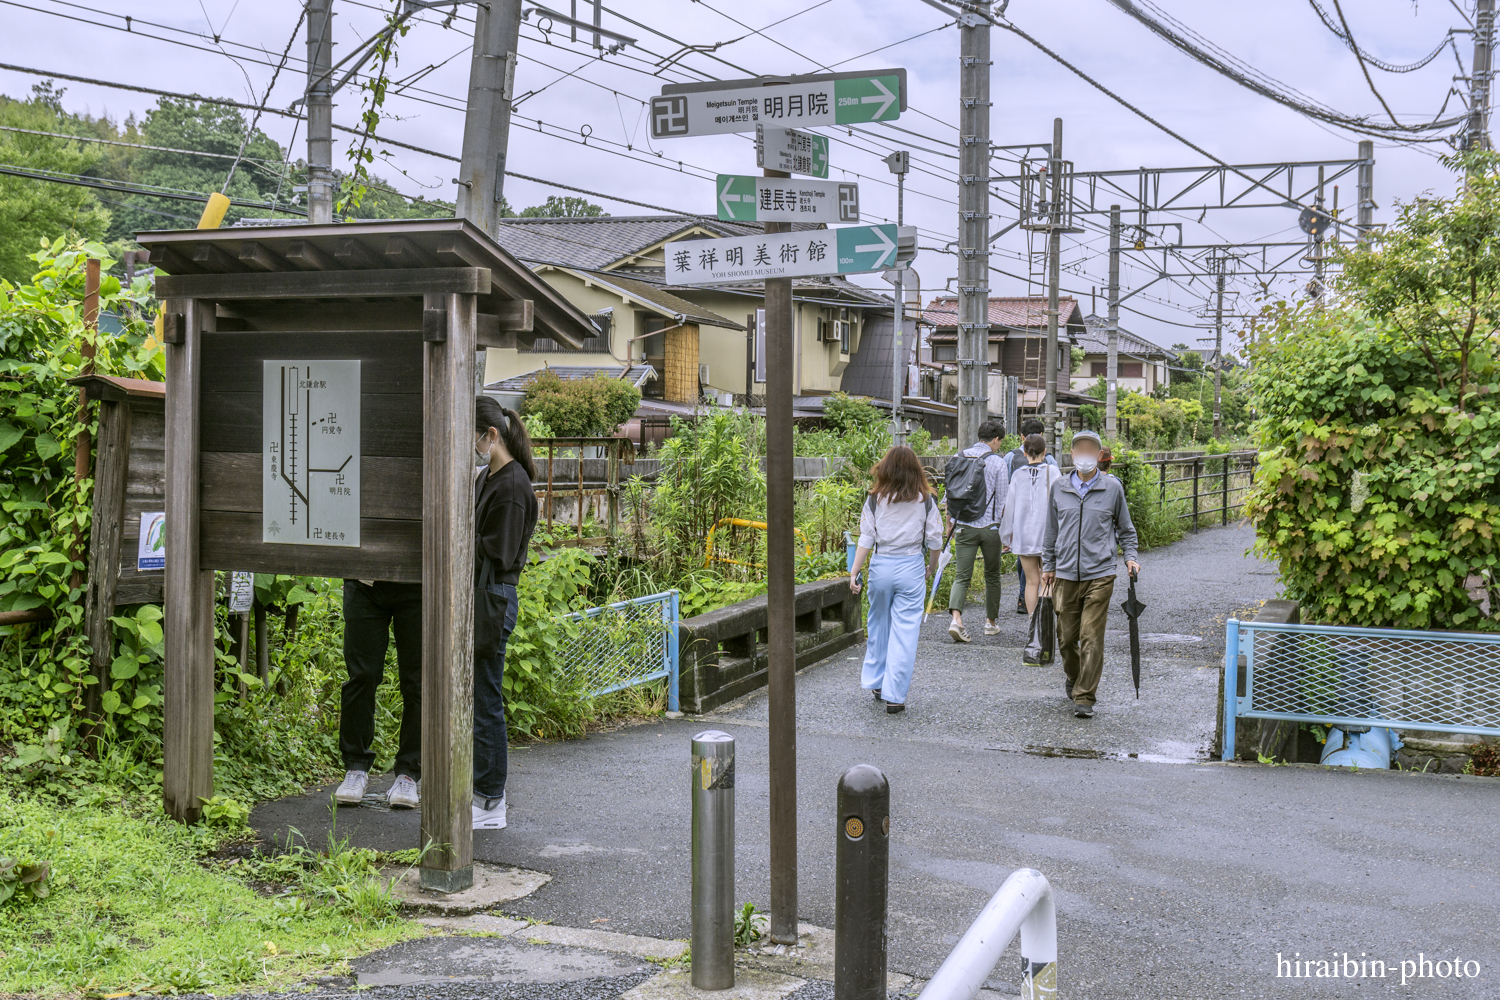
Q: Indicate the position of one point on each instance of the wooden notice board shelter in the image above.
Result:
(320, 421)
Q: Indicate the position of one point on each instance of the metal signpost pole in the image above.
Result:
(1365, 209)
(319, 100)
(973, 221)
(900, 163)
(492, 77)
(1112, 368)
(1479, 76)
(781, 595)
(1054, 252)
(1219, 344)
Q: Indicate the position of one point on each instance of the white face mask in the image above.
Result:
(482, 449)
(1085, 463)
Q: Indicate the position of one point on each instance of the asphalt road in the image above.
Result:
(1175, 876)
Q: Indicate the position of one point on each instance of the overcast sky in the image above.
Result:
(575, 94)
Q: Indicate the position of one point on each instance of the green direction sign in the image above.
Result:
(802, 254)
(867, 99)
(795, 102)
(866, 248)
(785, 199)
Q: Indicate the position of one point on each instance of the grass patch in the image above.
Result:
(138, 904)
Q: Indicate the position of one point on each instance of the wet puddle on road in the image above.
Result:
(1154, 636)
(1176, 754)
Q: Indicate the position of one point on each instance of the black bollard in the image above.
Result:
(862, 879)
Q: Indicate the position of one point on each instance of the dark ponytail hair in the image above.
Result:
(489, 413)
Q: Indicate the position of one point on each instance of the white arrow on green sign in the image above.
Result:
(804, 254)
(723, 106)
(782, 199)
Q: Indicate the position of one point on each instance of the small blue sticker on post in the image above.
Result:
(152, 553)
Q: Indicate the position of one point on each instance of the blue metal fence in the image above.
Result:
(625, 644)
(1445, 682)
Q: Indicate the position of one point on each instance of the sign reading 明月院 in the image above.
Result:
(686, 109)
(743, 198)
(809, 253)
(310, 453)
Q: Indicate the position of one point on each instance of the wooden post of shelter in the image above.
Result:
(320, 422)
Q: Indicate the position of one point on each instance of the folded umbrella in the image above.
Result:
(944, 558)
(1133, 608)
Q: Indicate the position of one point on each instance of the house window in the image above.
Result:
(594, 345)
(945, 352)
(844, 331)
(1127, 369)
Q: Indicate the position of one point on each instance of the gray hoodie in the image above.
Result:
(1083, 531)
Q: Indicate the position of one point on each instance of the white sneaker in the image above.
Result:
(404, 794)
(352, 791)
(990, 628)
(957, 632)
(489, 814)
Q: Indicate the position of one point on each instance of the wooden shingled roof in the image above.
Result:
(386, 245)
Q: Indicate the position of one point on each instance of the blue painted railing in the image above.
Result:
(607, 666)
(1446, 682)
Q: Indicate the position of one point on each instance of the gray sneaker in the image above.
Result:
(352, 791)
(404, 794)
(1082, 711)
(957, 632)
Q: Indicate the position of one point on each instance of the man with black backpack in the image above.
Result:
(976, 480)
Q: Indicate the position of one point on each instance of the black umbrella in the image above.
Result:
(1133, 608)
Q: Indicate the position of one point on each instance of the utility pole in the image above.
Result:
(781, 595)
(1364, 218)
(1054, 252)
(973, 221)
(1317, 238)
(1221, 262)
(1112, 369)
(1478, 136)
(492, 78)
(900, 163)
(319, 103)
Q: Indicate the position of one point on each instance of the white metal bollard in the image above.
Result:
(1024, 904)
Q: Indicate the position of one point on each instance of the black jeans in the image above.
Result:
(370, 614)
(491, 747)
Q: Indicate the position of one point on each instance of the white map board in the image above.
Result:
(310, 453)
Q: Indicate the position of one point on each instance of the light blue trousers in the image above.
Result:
(897, 590)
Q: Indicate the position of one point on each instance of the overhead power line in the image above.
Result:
(1343, 36)
(135, 88)
(57, 177)
(1247, 76)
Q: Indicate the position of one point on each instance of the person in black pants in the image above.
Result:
(372, 610)
(505, 512)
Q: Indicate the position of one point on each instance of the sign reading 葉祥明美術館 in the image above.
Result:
(724, 106)
(808, 253)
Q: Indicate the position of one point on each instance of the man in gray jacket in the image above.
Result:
(1087, 520)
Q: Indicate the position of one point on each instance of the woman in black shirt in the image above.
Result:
(505, 512)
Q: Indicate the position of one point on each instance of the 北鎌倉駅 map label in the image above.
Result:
(741, 198)
(791, 151)
(804, 254)
(722, 106)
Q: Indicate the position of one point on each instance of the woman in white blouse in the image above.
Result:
(901, 525)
